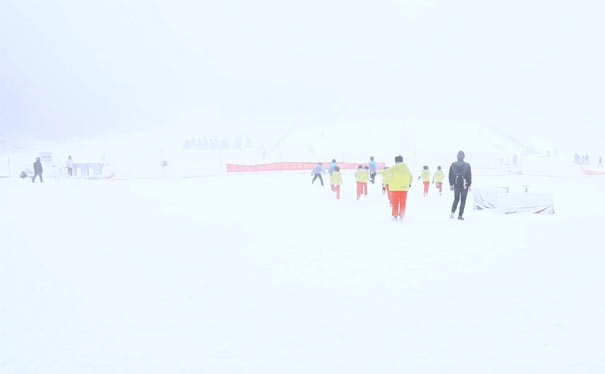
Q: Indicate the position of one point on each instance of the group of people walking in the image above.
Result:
(397, 180)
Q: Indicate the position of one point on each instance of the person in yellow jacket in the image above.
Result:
(438, 180)
(399, 184)
(386, 179)
(362, 175)
(336, 181)
(426, 179)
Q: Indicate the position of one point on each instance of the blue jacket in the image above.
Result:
(318, 170)
(332, 167)
(372, 166)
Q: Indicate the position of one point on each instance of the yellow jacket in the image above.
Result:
(362, 175)
(386, 178)
(336, 178)
(400, 177)
(438, 177)
(426, 176)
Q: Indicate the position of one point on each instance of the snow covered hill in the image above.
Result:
(270, 274)
(491, 152)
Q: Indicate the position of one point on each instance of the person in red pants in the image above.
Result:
(399, 183)
(426, 179)
(336, 181)
(362, 175)
(438, 180)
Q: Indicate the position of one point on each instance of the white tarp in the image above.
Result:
(487, 198)
(505, 202)
(525, 202)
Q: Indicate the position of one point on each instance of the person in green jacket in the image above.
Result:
(438, 180)
(400, 181)
(362, 175)
(336, 181)
(426, 179)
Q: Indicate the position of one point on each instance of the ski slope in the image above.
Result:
(266, 273)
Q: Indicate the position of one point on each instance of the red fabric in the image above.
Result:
(336, 188)
(285, 166)
(426, 187)
(440, 186)
(398, 200)
(362, 188)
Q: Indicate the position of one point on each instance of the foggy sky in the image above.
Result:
(72, 68)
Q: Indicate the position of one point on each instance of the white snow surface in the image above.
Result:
(266, 273)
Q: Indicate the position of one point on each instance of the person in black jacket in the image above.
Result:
(37, 170)
(460, 182)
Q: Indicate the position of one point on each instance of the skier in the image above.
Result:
(600, 161)
(460, 178)
(426, 179)
(336, 181)
(38, 170)
(438, 180)
(70, 165)
(318, 170)
(372, 166)
(399, 183)
(362, 177)
(332, 166)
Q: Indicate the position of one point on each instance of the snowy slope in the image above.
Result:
(432, 143)
(270, 274)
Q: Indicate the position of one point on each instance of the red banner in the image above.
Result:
(294, 166)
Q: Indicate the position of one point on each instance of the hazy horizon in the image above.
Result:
(72, 69)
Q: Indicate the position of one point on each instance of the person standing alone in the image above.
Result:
(460, 177)
(70, 166)
(38, 170)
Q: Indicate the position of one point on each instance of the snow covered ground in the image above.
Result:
(270, 274)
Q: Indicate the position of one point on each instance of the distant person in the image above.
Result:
(372, 167)
(362, 176)
(332, 166)
(38, 170)
(426, 179)
(400, 181)
(70, 166)
(318, 170)
(336, 181)
(438, 180)
(460, 177)
(600, 161)
(164, 165)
